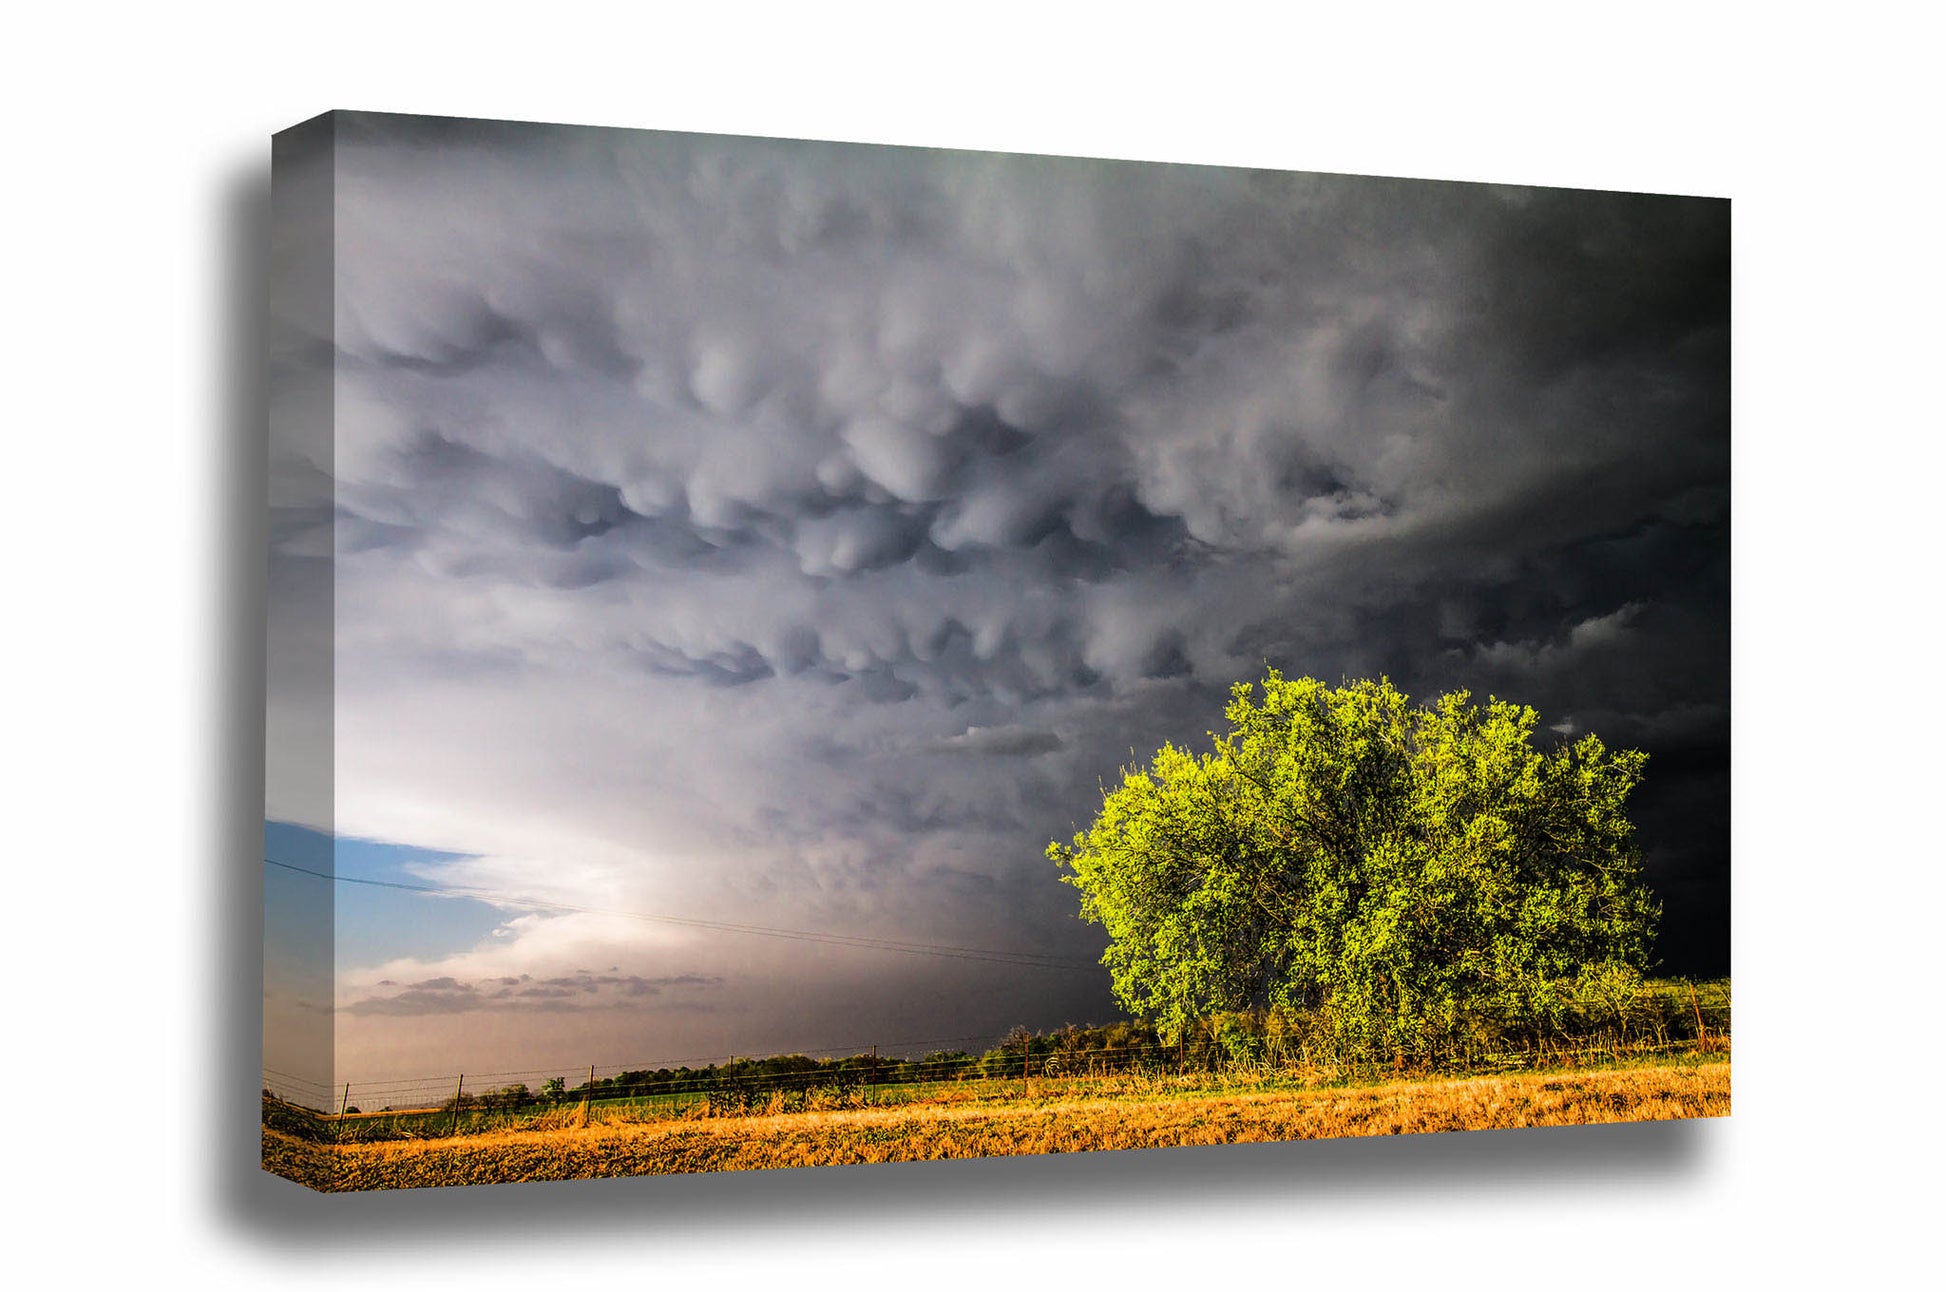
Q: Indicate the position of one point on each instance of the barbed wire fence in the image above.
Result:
(850, 1076)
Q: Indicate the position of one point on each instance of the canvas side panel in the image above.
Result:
(299, 668)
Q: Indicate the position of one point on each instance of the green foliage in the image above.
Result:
(1424, 879)
(503, 1099)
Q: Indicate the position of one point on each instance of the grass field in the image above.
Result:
(1001, 1119)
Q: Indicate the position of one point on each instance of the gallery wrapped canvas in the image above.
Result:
(789, 653)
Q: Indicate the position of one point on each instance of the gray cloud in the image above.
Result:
(522, 994)
(997, 742)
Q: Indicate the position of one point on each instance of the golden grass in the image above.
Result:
(1024, 1125)
(1061, 1123)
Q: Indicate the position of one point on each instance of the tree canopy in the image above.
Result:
(1417, 876)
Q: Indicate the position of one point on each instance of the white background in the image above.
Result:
(136, 153)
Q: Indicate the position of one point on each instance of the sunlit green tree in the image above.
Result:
(1417, 876)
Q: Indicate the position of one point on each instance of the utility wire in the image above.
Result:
(990, 955)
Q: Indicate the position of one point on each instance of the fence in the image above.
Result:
(853, 1076)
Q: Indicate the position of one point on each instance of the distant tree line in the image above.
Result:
(1640, 1013)
(779, 1071)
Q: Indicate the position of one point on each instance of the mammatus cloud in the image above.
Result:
(803, 531)
(998, 742)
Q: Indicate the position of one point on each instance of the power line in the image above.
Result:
(1027, 959)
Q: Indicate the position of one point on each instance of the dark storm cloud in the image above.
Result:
(851, 513)
(990, 742)
(523, 994)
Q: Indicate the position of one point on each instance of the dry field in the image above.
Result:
(1057, 1124)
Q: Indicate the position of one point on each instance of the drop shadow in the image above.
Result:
(239, 447)
(995, 1195)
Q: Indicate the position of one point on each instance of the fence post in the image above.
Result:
(347, 1103)
(458, 1090)
(1696, 1004)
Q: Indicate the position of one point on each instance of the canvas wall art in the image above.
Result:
(795, 654)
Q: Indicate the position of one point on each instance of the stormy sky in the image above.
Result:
(796, 535)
